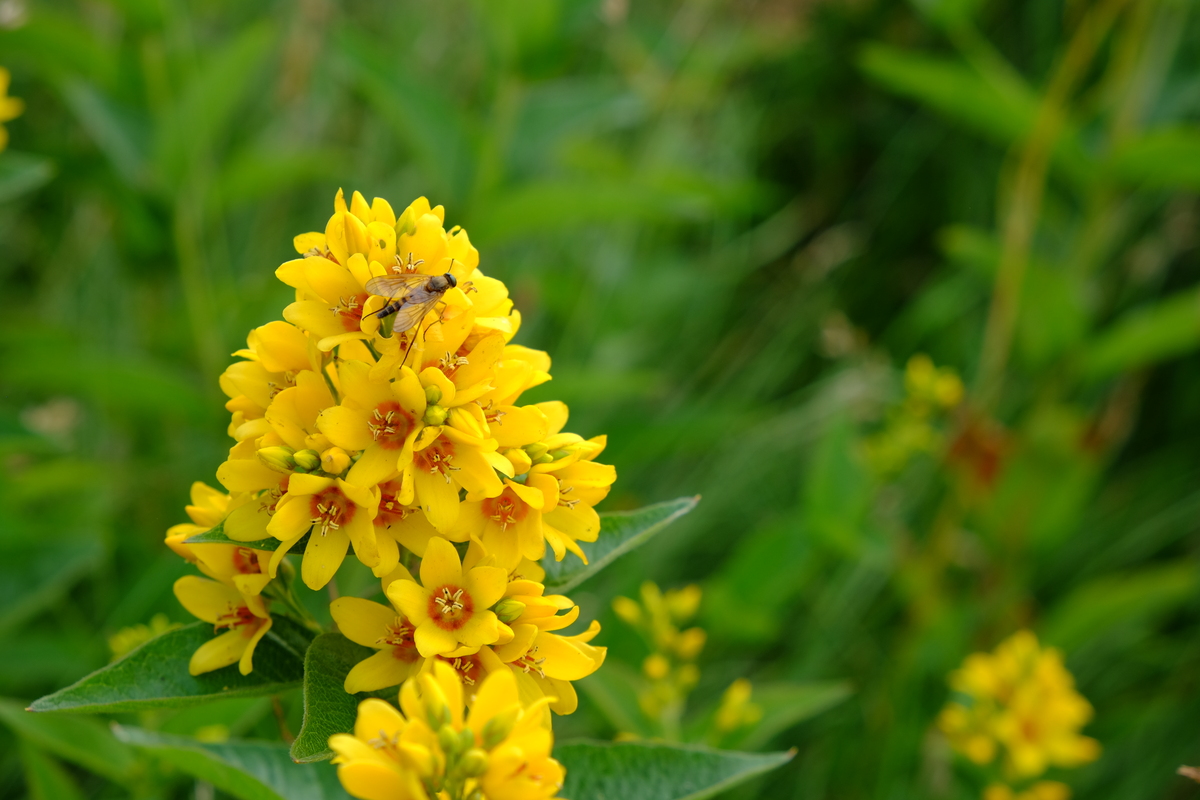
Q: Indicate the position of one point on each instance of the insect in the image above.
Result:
(409, 296)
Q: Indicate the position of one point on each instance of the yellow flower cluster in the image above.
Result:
(383, 415)
(429, 749)
(910, 427)
(10, 107)
(1018, 704)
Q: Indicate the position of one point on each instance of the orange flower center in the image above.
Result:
(245, 562)
(450, 607)
(390, 425)
(390, 510)
(399, 636)
(507, 509)
(530, 663)
(330, 510)
(469, 668)
(437, 459)
(236, 617)
(349, 311)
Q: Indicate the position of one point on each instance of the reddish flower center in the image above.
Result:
(349, 311)
(531, 663)
(269, 498)
(469, 668)
(391, 512)
(390, 425)
(449, 362)
(235, 618)
(245, 562)
(330, 510)
(437, 459)
(507, 509)
(450, 607)
(399, 636)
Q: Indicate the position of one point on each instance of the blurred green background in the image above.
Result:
(731, 223)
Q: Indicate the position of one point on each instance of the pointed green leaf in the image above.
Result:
(155, 675)
(83, 741)
(1146, 335)
(656, 771)
(328, 709)
(245, 769)
(217, 536)
(1168, 158)
(620, 532)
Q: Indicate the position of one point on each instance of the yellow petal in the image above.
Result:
(362, 621)
(345, 427)
(486, 585)
(411, 599)
(220, 652)
(246, 662)
(441, 566)
(206, 599)
(432, 640)
(379, 671)
(323, 556)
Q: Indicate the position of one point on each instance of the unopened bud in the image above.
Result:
(433, 394)
(557, 454)
(688, 676)
(466, 740)
(509, 609)
(307, 460)
(278, 458)
(690, 643)
(519, 459)
(335, 461)
(448, 739)
(544, 458)
(497, 729)
(474, 763)
(656, 667)
(627, 610)
(435, 415)
(536, 449)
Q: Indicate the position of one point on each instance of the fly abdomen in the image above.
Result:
(389, 309)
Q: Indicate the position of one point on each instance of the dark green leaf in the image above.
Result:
(247, 770)
(45, 777)
(1146, 335)
(620, 532)
(81, 740)
(156, 674)
(328, 708)
(21, 173)
(1165, 159)
(656, 771)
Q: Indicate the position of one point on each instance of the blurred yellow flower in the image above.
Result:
(127, 639)
(1019, 703)
(10, 107)
(431, 749)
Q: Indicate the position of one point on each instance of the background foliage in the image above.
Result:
(731, 223)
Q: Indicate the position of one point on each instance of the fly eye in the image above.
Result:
(450, 279)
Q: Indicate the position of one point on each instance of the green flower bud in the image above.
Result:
(307, 460)
(536, 449)
(433, 395)
(466, 740)
(448, 739)
(436, 415)
(509, 609)
(544, 458)
(557, 454)
(474, 763)
(497, 729)
(278, 458)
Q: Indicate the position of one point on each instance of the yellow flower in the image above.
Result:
(338, 513)
(385, 629)
(450, 608)
(1042, 790)
(10, 107)
(275, 355)
(244, 569)
(1021, 701)
(207, 509)
(245, 617)
(499, 751)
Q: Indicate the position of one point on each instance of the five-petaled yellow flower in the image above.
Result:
(245, 619)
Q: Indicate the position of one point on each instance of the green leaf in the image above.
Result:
(328, 708)
(37, 574)
(837, 489)
(786, 704)
(80, 740)
(21, 173)
(45, 777)
(620, 532)
(217, 536)
(1146, 335)
(245, 769)
(656, 771)
(155, 675)
(1162, 159)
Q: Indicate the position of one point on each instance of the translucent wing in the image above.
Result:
(392, 286)
(413, 312)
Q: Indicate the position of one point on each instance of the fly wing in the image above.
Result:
(393, 286)
(413, 310)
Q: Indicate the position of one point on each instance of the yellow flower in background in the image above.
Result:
(1018, 704)
(10, 107)
(499, 751)
(127, 639)
(911, 427)
(1042, 790)
(245, 618)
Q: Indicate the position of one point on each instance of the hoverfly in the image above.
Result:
(409, 296)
